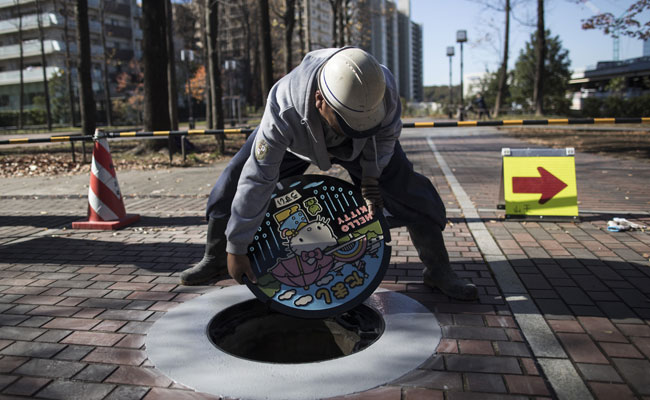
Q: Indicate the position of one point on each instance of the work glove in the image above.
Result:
(371, 194)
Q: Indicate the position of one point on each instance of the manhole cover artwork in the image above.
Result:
(319, 252)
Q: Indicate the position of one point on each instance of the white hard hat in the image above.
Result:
(353, 84)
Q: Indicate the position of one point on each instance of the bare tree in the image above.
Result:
(503, 71)
(171, 68)
(107, 88)
(306, 22)
(538, 91)
(154, 29)
(214, 66)
(86, 96)
(289, 18)
(266, 52)
(46, 91)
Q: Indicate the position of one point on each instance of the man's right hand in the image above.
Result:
(238, 266)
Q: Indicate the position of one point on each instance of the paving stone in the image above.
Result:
(20, 333)
(105, 303)
(50, 368)
(136, 327)
(26, 386)
(472, 332)
(581, 348)
(643, 344)
(74, 353)
(93, 338)
(72, 323)
(53, 311)
(126, 315)
(529, 385)
(128, 393)
(499, 365)
(636, 372)
(565, 326)
(594, 372)
(608, 391)
(116, 356)
(64, 390)
(10, 363)
(95, 372)
(483, 347)
(620, 350)
(490, 383)
(139, 376)
(11, 320)
(6, 380)
(35, 322)
(32, 349)
(53, 336)
(601, 329)
(516, 349)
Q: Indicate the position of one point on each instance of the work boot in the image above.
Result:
(214, 262)
(437, 273)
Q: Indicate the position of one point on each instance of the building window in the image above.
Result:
(4, 100)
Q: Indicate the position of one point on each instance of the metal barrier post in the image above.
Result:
(74, 158)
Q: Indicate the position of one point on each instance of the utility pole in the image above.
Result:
(450, 54)
(461, 37)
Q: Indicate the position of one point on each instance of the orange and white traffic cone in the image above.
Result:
(105, 205)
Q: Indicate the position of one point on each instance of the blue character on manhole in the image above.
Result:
(320, 252)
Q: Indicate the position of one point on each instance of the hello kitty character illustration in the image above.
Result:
(306, 243)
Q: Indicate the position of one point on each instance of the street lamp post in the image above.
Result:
(188, 57)
(450, 54)
(461, 37)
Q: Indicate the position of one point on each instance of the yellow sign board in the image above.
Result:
(540, 185)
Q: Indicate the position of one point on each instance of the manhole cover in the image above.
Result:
(319, 251)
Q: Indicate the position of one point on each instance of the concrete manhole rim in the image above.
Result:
(178, 339)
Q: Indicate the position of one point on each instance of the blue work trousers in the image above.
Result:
(409, 198)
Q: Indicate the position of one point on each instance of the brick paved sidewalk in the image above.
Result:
(75, 306)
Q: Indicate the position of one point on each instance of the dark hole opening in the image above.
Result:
(250, 330)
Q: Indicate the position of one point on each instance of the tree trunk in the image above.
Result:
(289, 23)
(156, 112)
(46, 91)
(307, 23)
(209, 122)
(540, 56)
(107, 88)
(171, 69)
(68, 64)
(21, 67)
(214, 67)
(341, 24)
(86, 96)
(266, 52)
(247, 57)
(503, 71)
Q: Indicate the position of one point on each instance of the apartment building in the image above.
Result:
(19, 19)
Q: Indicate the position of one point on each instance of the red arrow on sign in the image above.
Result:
(547, 184)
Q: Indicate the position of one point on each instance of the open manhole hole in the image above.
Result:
(216, 342)
(252, 331)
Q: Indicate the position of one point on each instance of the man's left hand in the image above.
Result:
(371, 194)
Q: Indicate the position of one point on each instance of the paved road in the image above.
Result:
(564, 308)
